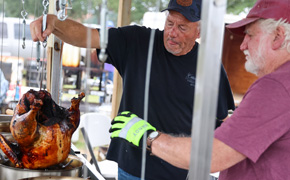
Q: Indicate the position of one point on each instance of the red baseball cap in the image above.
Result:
(263, 9)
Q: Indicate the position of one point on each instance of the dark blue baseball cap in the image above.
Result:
(191, 9)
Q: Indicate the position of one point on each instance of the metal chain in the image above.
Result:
(23, 14)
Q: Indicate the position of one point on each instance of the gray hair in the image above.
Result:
(198, 27)
(270, 25)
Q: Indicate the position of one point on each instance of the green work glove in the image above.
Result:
(130, 127)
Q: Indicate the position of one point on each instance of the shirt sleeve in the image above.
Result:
(122, 44)
(259, 121)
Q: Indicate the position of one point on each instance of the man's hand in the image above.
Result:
(36, 28)
(130, 127)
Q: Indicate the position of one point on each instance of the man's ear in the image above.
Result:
(198, 34)
(279, 38)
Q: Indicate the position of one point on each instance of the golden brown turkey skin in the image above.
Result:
(42, 129)
(52, 147)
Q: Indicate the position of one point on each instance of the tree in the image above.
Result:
(14, 8)
(89, 10)
(238, 6)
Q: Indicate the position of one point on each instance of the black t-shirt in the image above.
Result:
(171, 94)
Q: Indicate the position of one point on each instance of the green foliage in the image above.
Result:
(89, 10)
(14, 8)
(238, 6)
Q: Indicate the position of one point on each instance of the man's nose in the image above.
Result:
(172, 32)
(244, 45)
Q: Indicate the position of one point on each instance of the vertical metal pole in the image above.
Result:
(55, 46)
(207, 86)
(124, 14)
(56, 70)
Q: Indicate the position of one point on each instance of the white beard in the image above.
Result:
(256, 62)
(249, 65)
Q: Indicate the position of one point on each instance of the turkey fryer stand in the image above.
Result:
(88, 169)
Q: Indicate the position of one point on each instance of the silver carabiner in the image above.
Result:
(45, 3)
(24, 14)
(61, 13)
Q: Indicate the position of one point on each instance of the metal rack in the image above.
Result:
(88, 169)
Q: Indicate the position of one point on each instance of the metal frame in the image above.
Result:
(207, 86)
(207, 82)
(89, 170)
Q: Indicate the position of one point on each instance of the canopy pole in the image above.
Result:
(207, 86)
(124, 18)
(54, 61)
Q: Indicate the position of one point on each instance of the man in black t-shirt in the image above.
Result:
(172, 79)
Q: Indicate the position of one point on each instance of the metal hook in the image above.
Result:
(44, 43)
(24, 13)
(61, 15)
(45, 3)
(66, 165)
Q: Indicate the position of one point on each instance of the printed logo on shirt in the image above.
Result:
(191, 79)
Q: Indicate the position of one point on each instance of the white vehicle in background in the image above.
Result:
(155, 20)
(16, 61)
(11, 34)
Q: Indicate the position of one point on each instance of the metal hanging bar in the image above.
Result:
(146, 93)
(103, 32)
(45, 4)
(23, 14)
(38, 54)
(2, 35)
(206, 91)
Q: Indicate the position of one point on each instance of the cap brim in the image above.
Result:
(239, 26)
